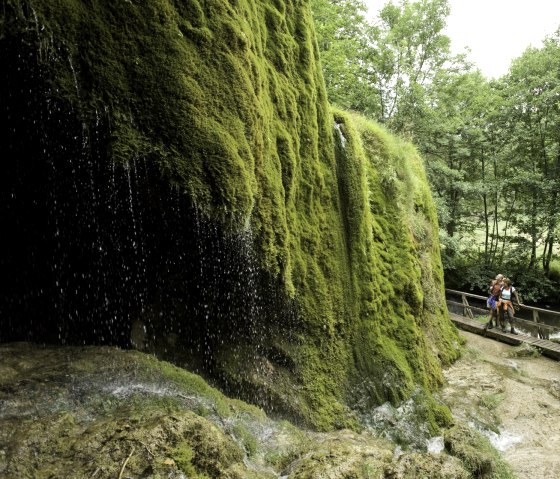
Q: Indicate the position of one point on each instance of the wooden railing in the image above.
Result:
(535, 327)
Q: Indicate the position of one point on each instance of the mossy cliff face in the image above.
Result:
(222, 105)
(402, 332)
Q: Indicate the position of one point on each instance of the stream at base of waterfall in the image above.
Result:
(513, 399)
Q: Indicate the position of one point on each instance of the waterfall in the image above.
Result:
(338, 129)
(105, 247)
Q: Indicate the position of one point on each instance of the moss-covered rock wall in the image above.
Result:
(193, 140)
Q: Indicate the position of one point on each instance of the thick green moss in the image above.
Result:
(476, 453)
(227, 99)
(88, 409)
(402, 331)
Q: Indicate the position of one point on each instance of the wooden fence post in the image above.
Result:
(467, 311)
(542, 333)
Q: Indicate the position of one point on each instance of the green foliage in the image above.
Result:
(554, 273)
(500, 165)
(380, 68)
(533, 284)
(413, 48)
(342, 39)
(468, 272)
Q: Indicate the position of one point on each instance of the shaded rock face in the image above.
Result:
(104, 244)
(93, 246)
(171, 181)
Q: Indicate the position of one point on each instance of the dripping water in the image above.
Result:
(102, 247)
(341, 136)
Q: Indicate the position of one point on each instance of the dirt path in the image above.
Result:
(517, 397)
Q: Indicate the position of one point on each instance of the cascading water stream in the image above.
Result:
(340, 134)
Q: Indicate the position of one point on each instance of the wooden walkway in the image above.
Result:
(547, 348)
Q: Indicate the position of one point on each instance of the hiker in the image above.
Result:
(492, 301)
(507, 293)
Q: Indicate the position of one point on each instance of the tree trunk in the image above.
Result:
(508, 217)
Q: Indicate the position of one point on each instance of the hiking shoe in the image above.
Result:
(489, 326)
(513, 331)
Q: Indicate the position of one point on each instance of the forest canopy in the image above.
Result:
(491, 147)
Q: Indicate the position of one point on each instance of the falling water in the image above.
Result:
(103, 250)
(74, 76)
(338, 129)
(228, 288)
(502, 440)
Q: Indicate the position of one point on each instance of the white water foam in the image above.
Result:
(435, 444)
(128, 389)
(341, 135)
(503, 441)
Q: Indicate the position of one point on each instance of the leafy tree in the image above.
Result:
(342, 38)
(408, 49)
(452, 135)
(380, 69)
(532, 88)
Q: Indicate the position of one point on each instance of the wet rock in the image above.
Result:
(344, 455)
(96, 411)
(427, 466)
(554, 387)
(476, 453)
(524, 350)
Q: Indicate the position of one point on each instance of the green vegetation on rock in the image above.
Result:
(403, 317)
(99, 411)
(227, 99)
(476, 453)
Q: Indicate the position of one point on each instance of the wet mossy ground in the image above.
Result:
(225, 101)
(84, 411)
(476, 453)
(101, 412)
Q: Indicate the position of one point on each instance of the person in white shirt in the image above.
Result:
(505, 303)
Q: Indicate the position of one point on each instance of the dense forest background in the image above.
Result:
(491, 147)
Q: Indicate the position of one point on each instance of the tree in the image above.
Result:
(408, 48)
(451, 135)
(533, 92)
(341, 35)
(380, 69)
